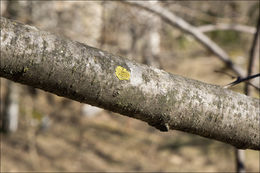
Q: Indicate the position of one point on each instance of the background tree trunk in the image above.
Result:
(11, 108)
(151, 51)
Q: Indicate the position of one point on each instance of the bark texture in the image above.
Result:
(165, 101)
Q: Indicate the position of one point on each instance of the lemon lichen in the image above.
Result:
(122, 73)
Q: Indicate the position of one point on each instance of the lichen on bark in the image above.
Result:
(163, 100)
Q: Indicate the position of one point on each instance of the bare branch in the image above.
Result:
(225, 26)
(202, 15)
(178, 22)
(239, 80)
(90, 75)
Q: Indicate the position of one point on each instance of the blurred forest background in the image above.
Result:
(58, 134)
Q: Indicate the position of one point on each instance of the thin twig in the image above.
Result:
(228, 85)
(232, 76)
(226, 26)
(239, 80)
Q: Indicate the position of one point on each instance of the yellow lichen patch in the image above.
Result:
(122, 73)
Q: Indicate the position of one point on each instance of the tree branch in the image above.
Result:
(178, 22)
(90, 75)
(196, 13)
(225, 26)
(239, 80)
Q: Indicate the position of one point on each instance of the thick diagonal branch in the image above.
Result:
(90, 75)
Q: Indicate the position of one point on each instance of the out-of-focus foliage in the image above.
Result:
(226, 38)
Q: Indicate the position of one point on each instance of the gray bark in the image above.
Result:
(163, 100)
(59, 17)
